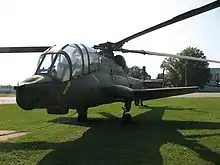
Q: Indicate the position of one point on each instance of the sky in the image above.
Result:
(40, 22)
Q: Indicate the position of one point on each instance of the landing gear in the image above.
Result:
(82, 115)
(136, 102)
(126, 116)
(141, 101)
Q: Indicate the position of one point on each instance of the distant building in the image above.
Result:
(214, 84)
(7, 89)
(144, 74)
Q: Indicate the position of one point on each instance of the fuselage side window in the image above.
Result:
(85, 58)
(94, 59)
(76, 59)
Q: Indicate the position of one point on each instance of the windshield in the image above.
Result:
(45, 62)
(58, 69)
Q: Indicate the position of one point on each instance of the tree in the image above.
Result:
(135, 71)
(187, 72)
(160, 76)
(163, 76)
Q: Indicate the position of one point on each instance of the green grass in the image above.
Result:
(172, 131)
(7, 94)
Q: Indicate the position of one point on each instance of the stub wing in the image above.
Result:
(119, 92)
(156, 93)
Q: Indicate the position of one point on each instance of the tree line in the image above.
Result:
(179, 72)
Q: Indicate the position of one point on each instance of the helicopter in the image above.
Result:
(76, 76)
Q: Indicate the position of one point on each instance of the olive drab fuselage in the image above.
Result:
(73, 76)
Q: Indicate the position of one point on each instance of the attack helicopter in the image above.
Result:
(76, 76)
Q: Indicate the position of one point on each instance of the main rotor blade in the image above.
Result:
(178, 18)
(168, 55)
(23, 49)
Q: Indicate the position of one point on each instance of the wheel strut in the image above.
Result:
(82, 115)
(126, 116)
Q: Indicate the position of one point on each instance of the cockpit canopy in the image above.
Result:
(71, 60)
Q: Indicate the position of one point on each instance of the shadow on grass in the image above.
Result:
(108, 141)
(172, 108)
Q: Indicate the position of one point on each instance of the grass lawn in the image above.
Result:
(7, 94)
(172, 131)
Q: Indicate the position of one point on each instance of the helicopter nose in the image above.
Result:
(31, 97)
(29, 92)
(25, 97)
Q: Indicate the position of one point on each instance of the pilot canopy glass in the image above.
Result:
(68, 61)
(55, 65)
(74, 52)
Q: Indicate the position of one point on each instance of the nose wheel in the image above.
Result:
(126, 116)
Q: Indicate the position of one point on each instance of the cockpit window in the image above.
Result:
(94, 59)
(45, 61)
(85, 58)
(76, 59)
(60, 70)
(68, 61)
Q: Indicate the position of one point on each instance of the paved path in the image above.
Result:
(7, 100)
(200, 94)
(12, 100)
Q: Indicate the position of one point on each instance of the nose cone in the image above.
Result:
(35, 79)
(28, 91)
(25, 98)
